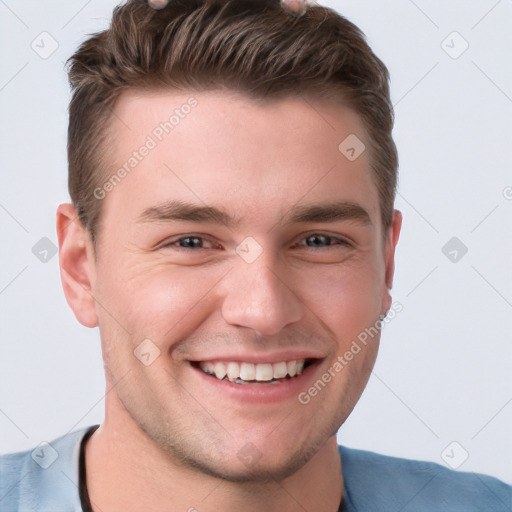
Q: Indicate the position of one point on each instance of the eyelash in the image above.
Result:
(335, 241)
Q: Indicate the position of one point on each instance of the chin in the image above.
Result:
(234, 470)
(249, 465)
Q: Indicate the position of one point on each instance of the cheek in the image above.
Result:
(158, 301)
(347, 299)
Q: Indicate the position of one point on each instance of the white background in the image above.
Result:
(444, 371)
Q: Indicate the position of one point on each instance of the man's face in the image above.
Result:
(243, 236)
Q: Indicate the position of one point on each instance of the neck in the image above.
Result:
(127, 471)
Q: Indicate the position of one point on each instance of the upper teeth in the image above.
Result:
(262, 372)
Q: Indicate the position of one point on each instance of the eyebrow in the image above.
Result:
(170, 211)
(329, 212)
(181, 211)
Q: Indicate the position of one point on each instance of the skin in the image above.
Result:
(171, 438)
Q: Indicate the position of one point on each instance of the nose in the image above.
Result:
(258, 297)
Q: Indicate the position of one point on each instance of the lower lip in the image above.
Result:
(260, 393)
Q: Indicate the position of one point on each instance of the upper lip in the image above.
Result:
(263, 357)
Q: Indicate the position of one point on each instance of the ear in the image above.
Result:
(389, 255)
(77, 265)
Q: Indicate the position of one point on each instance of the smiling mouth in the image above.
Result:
(249, 373)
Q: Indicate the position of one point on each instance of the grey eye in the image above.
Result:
(318, 241)
(191, 242)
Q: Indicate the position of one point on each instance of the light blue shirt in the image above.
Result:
(46, 479)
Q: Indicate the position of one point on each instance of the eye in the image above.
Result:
(189, 242)
(321, 241)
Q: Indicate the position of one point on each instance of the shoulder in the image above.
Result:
(380, 482)
(44, 478)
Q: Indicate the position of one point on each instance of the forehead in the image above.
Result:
(225, 149)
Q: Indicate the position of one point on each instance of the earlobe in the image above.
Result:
(77, 265)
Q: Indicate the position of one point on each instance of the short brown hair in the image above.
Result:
(251, 46)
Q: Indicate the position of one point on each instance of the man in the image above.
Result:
(232, 234)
